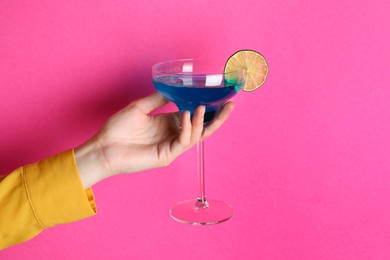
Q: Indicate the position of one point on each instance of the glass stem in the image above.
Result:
(201, 181)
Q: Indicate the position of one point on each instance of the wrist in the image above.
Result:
(91, 163)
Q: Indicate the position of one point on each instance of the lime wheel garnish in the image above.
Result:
(253, 63)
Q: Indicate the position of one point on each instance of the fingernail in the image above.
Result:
(203, 109)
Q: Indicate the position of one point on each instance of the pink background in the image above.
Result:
(304, 160)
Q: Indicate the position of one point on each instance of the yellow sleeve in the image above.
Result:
(42, 195)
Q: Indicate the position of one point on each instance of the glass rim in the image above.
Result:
(189, 74)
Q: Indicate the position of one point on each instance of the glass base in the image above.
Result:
(198, 212)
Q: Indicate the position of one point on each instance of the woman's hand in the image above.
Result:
(132, 140)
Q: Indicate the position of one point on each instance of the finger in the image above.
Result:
(186, 127)
(184, 139)
(177, 118)
(222, 117)
(197, 124)
(150, 103)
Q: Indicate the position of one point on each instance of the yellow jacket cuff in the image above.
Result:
(55, 191)
(41, 195)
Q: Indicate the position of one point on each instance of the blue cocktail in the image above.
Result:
(189, 98)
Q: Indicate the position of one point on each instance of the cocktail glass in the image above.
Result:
(190, 83)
